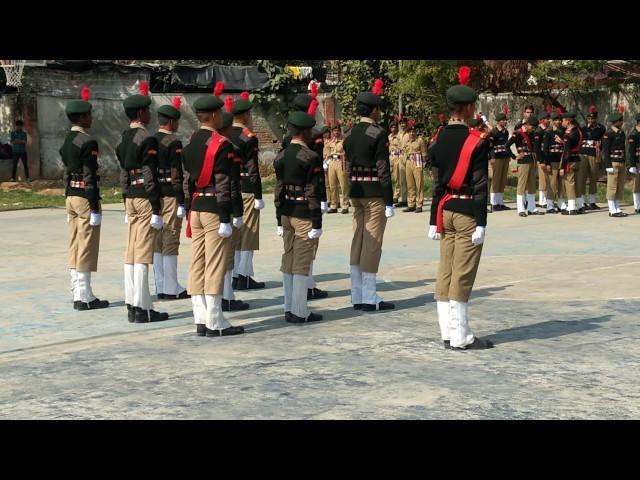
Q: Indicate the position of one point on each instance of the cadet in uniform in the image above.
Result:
(395, 152)
(229, 301)
(247, 142)
(138, 157)
(526, 166)
(529, 110)
(80, 158)
(401, 191)
(552, 153)
(589, 170)
(570, 161)
(334, 155)
(543, 173)
(613, 145)
(415, 153)
(209, 163)
(367, 157)
(460, 160)
(297, 200)
(165, 257)
(634, 158)
(498, 138)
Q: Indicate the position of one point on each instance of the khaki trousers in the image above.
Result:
(141, 236)
(84, 240)
(210, 255)
(569, 181)
(415, 185)
(251, 229)
(526, 178)
(369, 223)
(338, 185)
(299, 249)
(555, 188)
(615, 181)
(399, 175)
(589, 170)
(500, 172)
(168, 239)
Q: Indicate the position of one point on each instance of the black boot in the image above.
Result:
(76, 303)
(477, 344)
(381, 306)
(593, 206)
(182, 295)
(522, 214)
(201, 329)
(158, 316)
(418, 210)
(93, 305)
(131, 313)
(345, 210)
(316, 293)
(447, 344)
(225, 332)
(313, 317)
(409, 209)
(287, 316)
(332, 210)
(251, 284)
(234, 305)
(140, 316)
(504, 207)
(161, 296)
(234, 283)
(357, 306)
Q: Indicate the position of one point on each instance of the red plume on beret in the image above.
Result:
(464, 75)
(84, 93)
(548, 107)
(441, 117)
(177, 102)
(401, 115)
(592, 109)
(314, 90)
(144, 88)
(228, 103)
(412, 122)
(505, 110)
(377, 86)
(621, 109)
(244, 95)
(219, 88)
(558, 110)
(313, 106)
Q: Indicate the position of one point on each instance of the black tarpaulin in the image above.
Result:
(235, 78)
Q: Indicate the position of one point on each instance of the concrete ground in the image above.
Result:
(558, 295)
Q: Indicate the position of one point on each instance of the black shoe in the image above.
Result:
(522, 214)
(234, 283)
(637, 210)
(477, 344)
(581, 211)
(76, 303)
(93, 305)
(357, 306)
(140, 316)
(332, 210)
(401, 204)
(180, 296)
(225, 332)
(161, 296)
(201, 329)
(419, 210)
(344, 210)
(593, 206)
(235, 305)
(617, 214)
(381, 306)
(158, 316)
(570, 212)
(496, 208)
(536, 213)
(248, 283)
(504, 207)
(313, 317)
(552, 211)
(316, 293)
(131, 313)
(447, 344)
(287, 316)
(409, 209)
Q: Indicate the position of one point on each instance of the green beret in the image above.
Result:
(169, 111)
(227, 119)
(77, 106)
(460, 95)
(301, 102)
(301, 120)
(615, 117)
(533, 121)
(137, 101)
(556, 116)
(500, 116)
(241, 106)
(369, 98)
(568, 115)
(544, 115)
(637, 117)
(473, 122)
(208, 103)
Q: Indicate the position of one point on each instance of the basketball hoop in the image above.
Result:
(13, 71)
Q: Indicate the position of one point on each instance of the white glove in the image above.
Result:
(156, 222)
(280, 231)
(315, 233)
(225, 230)
(181, 212)
(609, 170)
(95, 219)
(389, 211)
(126, 217)
(433, 233)
(238, 222)
(258, 204)
(478, 236)
(633, 170)
(324, 207)
(68, 218)
(325, 165)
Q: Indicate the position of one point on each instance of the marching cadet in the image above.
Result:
(415, 152)
(209, 163)
(570, 161)
(552, 153)
(170, 177)
(247, 142)
(367, 157)
(613, 143)
(543, 171)
(138, 157)
(229, 301)
(80, 158)
(297, 199)
(395, 152)
(526, 166)
(334, 155)
(459, 215)
(401, 190)
(498, 138)
(589, 169)
(634, 159)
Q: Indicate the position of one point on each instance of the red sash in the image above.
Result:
(459, 174)
(206, 173)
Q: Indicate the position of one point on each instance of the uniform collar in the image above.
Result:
(163, 130)
(137, 125)
(238, 124)
(456, 122)
(205, 127)
(78, 128)
(367, 120)
(298, 142)
(615, 129)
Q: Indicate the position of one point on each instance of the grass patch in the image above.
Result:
(25, 200)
